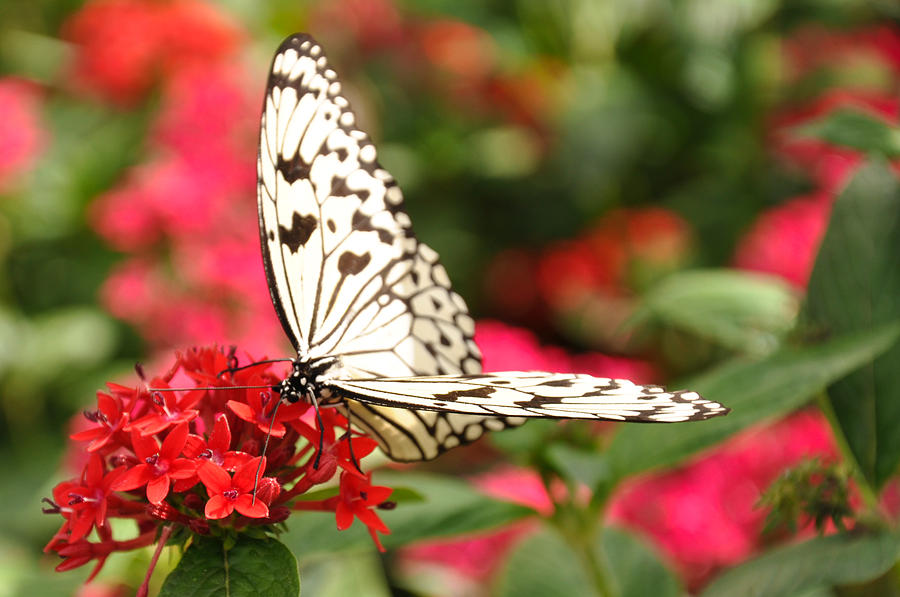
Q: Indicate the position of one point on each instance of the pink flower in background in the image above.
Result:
(828, 165)
(785, 239)
(22, 135)
(123, 46)
(703, 515)
(815, 47)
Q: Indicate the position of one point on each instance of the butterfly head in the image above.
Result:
(304, 382)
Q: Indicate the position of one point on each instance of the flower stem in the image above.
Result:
(868, 493)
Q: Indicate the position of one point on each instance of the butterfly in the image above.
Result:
(378, 330)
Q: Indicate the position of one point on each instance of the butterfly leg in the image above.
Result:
(265, 447)
(320, 425)
(349, 438)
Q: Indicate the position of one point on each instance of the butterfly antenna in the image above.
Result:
(242, 367)
(265, 447)
(207, 388)
(321, 426)
(349, 437)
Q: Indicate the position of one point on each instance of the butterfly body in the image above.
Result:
(378, 330)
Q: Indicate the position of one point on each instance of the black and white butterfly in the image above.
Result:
(378, 330)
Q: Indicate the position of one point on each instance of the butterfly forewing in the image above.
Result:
(347, 276)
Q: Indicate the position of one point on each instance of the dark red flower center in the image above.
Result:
(152, 460)
(231, 494)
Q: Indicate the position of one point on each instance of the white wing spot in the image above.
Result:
(367, 154)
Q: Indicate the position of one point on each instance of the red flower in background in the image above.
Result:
(122, 46)
(785, 239)
(22, 135)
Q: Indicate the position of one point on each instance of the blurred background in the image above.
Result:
(563, 157)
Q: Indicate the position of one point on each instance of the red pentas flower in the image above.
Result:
(188, 459)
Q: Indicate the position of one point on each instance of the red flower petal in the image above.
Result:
(245, 477)
(174, 442)
(242, 410)
(218, 507)
(133, 478)
(246, 505)
(214, 478)
(220, 438)
(182, 468)
(144, 445)
(343, 516)
(158, 489)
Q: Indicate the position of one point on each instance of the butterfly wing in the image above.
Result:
(533, 394)
(347, 276)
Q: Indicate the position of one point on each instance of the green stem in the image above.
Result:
(579, 527)
(868, 493)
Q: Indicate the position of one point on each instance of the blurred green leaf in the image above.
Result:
(739, 310)
(340, 575)
(250, 567)
(635, 567)
(545, 564)
(823, 561)
(856, 285)
(855, 129)
(449, 507)
(755, 391)
(585, 466)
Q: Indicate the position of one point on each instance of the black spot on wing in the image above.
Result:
(294, 169)
(331, 225)
(476, 392)
(350, 263)
(363, 223)
(301, 229)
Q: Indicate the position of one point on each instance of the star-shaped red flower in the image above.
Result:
(160, 464)
(357, 497)
(216, 449)
(227, 493)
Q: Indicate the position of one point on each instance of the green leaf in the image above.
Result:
(339, 575)
(856, 285)
(786, 571)
(635, 568)
(252, 567)
(856, 129)
(741, 311)
(754, 391)
(585, 466)
(545, 564)
(449, 507)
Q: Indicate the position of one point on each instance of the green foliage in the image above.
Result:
(448, 507)
(249, 567)
(858, 130)
(856, 285)
(821, 562)
(546, 564)
(810, 491)
(740, 311)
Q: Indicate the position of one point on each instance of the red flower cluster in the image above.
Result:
(122, 46)
(594, 277)
(188, 460)
(22, 135)
(784, 239)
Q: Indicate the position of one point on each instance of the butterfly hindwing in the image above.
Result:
(346, 273)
